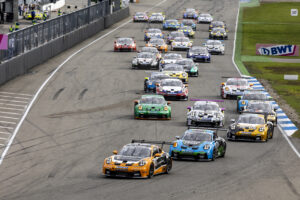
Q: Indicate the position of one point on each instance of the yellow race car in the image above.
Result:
(38, 15)
(177, 71)
(251, 126)
(158, 43)
(138, 159)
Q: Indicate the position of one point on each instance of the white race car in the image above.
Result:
(140, 17)
(145, 59)
(215, 47)
(170, 58)
(156, 18)
(205, 113)
(234, 87)
(181, 43)
(205, 18)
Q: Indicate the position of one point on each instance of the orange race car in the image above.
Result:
(158, 43)
(138, 159)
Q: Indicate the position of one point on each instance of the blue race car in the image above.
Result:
(199, 144)
(155, 78)
(190, 13)
(171, 24)
(242, 101)
(188, 22)
(199, 54)
(187, 31)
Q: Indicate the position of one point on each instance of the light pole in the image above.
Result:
(89, 2)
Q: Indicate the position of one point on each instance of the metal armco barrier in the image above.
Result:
(34, 36)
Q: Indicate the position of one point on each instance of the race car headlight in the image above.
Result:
(206, 147)
(142, 163)
(140, 107)
(165, 108)
(232, 126)
(261, 129)
(227, 88)
(243, 102)
(108, 160)
(175, 144)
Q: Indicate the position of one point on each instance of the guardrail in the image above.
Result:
(29, 38)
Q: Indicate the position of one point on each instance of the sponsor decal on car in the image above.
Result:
(277, 50)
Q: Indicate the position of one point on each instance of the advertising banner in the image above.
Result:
(277, 50)
(3, 41)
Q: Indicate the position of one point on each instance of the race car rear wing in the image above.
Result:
(152, 142)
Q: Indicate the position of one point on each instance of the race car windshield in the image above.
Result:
(145, 55)
(200, 50)
(206, 107)
(205, 15)
(251, 120)
(152, 100)
(196, 136)
(156, 15)
(181, 40)
(184, 62)
(221, 30)
(157, 42)
(154, 31)
(124, 41)
(218, 24)
(188, 22)
(147, 49)
(214, 42)
(255, 96)
(172, 56)
(237, 82)
(140, 14)
(135, 151)
(173, 68)
(172, 83)
(260, 107)
(172, 21)
(159, 77)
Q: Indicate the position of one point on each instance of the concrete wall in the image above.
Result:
(23, 63)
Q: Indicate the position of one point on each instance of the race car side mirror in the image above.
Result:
(156, 155)
(223, 84)
(177, 137)
(115, 152)
(223, 109)
(136, 102)
(168, 103)
(146, 78)
(232, 120)
(189, 108)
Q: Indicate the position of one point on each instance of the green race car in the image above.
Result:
(189, 66)
(152, 106)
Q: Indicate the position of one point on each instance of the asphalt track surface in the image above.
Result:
(86, 111)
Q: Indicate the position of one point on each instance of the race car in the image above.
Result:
(217, 24)
(176, 71)
(205, 18)
(173, 35)
(218, 33)
(189, 66)
(38, 15)
(262, 107)
(242, 101)
(140, 17)
(181, 43)
(169, 58)
(152, 106)
(190, 13)
(215, 47)
(145, 60)
(171, 24)
(158, 43)
(172, 88)
(156, 18)
(188, 22)
(153, 33)
(187, 31)
(151, 81)
(124, 44)
(205, 113)
(198, 54)
(234, 87)
(198, 144)
(250, 127)
(151, 50)
(137, 160)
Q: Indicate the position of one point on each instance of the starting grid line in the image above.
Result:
(283, 120)
(12, 106)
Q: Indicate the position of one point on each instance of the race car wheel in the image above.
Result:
(151, 171)
(214, 155)
(169, 166)
(224, 151)
(186, 98)
(196, 74)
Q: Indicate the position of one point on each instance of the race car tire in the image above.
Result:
(169, 167)
(214, 155)
(151, 171)
(224, 151)
(197, 74)
(186, 98)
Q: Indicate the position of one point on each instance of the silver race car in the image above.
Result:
(181, 43)
(156, 18)
(218, 33)
(145, 60)
(215, 47)
(173, 35)
(205, 18)
(140, 17)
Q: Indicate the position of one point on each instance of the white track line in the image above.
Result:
(52, 74)
(21, 94)
(233, 54)
(7, 100)
(8, 117)
(13, 97)
(10, 113)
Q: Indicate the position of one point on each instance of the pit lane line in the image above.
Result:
(53, 73)
(233, 61)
